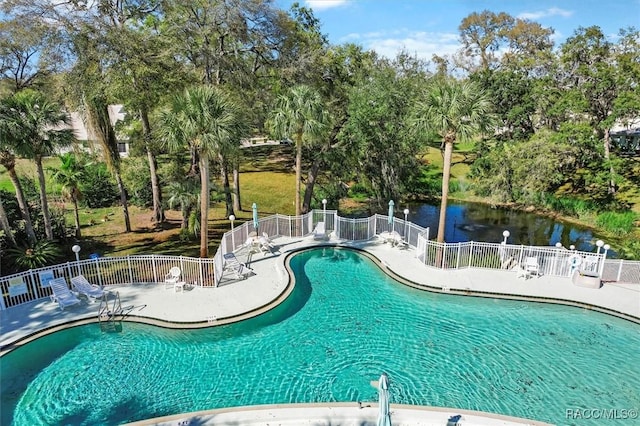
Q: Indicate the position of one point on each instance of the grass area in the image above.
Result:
(27, 168)
(267, 178)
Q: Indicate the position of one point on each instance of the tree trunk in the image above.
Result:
(224, 174)
(158, 213)
(446, 171)
(46, 216)
(607, 154)
(24, 207)
(298, 171)
(76, 214)
(4, 222)
(123, 200)
(311, 181)
(193, 167)
(237, 202)
(204, 206)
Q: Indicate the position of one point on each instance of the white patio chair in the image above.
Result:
(83, 286)
(231, 263)
(62, 294)
(172, 279)
(320, 231)
(531, 266)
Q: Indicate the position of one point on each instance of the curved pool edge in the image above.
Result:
(156, 321)
(342, 413)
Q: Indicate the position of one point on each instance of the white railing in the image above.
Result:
(31, 285)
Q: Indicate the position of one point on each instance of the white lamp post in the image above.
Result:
(324, 211)
(506, 235)
(76, 250)
(559, 245)
(606, 248)
(233, 242)
(572, 247)
(599, 243)
(406, 215)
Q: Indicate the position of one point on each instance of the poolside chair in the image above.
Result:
(531, 266)
(83, 286)
(62, 294)
(172, 279)
(266, 246)
(320, 231)
(231, 263)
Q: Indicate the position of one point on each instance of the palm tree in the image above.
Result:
(69, 176)
(8, 142)
(98, 120)
(184, 194)
(456, 111)
(299, 115)
(39, 134)
(204, 120)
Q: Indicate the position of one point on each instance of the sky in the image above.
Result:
(425, 27)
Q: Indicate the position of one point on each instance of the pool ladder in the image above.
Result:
(107, 315)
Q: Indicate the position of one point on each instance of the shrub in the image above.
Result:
(137, 180)
(26, 257)
(98, 188)
(616, 222)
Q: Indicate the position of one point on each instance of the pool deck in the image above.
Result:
(234, 300)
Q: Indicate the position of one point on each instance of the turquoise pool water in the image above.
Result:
(344, 325)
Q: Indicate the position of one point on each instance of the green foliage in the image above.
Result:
(568, 206)
(136, 178)
(617, 222)
(98, 187)
(26, 257)
(425, 184)
(359, 192)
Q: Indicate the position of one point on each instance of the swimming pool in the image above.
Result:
(345, 323)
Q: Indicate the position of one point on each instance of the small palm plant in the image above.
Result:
(28, 256)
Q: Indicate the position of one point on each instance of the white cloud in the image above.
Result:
(553, 11)
(420, 43)
(324, 4)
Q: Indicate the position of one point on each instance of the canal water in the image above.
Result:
(480, 222)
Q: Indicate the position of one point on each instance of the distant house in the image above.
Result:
(88, 139)
(625, 137)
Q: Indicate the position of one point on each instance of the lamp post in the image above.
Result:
(324, 211)
(506, 235)
(76, 250)
(599, 243)
(606, 248)
(233, 242)
(557, 257)
(406, 215)
(572, 247)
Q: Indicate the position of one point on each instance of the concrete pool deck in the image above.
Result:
(268, 284)
(234, 300)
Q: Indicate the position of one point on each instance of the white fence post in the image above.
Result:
(130, 268)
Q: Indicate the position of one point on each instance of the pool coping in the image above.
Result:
(347, 413)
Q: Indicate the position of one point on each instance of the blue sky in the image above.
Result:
(424, 27)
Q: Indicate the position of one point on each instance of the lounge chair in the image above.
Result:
(233, 265)
(266, 246)
(62, 294)
(83, 286)
(531, 266)
(320, 231)
(172, 279)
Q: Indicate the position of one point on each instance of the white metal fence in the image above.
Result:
(32, 285)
